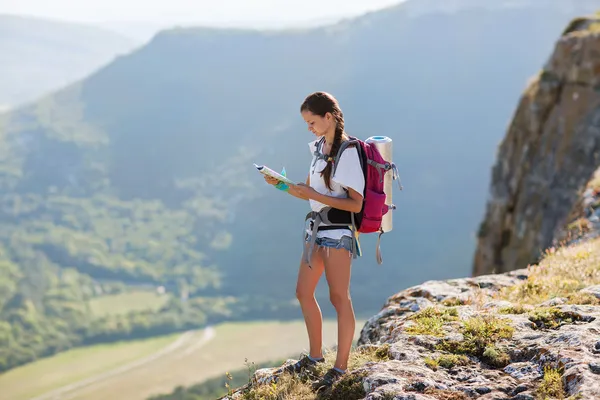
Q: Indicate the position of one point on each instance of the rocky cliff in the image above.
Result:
(549, 154)
(525, 332)
(528, 334)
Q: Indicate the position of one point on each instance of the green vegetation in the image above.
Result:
(81, 265)
(562, 272)
(348, 388)
(583, 298)
(591, 24)
(553, 317)
(574, 25)
(594, 26)
(579, 227)
(551, 386)
(447, 361)
(47, 309)
(124, 303)
(481, 335)
(453, 302)
(79, 271)
(431, 320)
(514, 309)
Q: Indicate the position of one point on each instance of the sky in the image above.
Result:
(209, 12)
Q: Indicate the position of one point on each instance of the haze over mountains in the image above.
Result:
(141, 174)
(40, 56)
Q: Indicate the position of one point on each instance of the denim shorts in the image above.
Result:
(345, 242)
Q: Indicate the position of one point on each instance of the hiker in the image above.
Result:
(332, 248)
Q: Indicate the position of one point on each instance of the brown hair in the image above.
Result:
(321, 103)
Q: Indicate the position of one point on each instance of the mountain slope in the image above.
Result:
(40, 56)
(141, 174)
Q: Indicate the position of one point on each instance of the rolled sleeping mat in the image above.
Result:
(384, 145)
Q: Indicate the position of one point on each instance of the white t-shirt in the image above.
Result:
(348, 174)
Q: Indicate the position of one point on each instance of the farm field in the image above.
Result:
(136, 370)
(125, 302)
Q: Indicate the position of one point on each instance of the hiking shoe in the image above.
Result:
(302, 366)
(330, 377)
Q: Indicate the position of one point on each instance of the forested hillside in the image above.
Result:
(140, 179)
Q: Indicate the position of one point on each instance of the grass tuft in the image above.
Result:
(454, 302)
(551, 385)
(553, 317)
(431, 320)
(480, 336)
(583, 298)
(514, 309)
(350, 387)
(561, 273)
(287, 387)
(447, 361)
(495, 357)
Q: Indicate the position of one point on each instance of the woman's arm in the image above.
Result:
(352, 203)
(294, 192)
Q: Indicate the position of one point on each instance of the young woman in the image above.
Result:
(332, 251)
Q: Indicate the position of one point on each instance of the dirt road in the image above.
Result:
(185, 344)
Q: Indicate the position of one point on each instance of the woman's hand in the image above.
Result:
(271, 181)
(302, 191)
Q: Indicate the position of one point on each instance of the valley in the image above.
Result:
(139, 369)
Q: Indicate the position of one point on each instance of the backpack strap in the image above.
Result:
(385, 167)
(396, 175)
(379, 167)
(343, 147)
(317, 154)
(378, 255)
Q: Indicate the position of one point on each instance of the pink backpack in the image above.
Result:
(374, 167)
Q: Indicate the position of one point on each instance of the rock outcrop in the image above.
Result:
(550, 152)
(521, 335)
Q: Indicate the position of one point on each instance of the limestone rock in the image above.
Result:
(572, 347)
(549, 154)
(595, 290)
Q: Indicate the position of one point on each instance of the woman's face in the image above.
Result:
(317, 124)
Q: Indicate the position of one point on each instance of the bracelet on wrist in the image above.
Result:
(282, 186)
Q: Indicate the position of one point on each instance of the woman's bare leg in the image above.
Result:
(308, 278)
(337, 271)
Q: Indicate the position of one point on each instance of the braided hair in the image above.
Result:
(321, 103)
